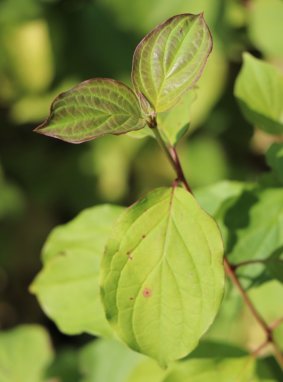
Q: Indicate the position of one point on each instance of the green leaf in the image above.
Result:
(274, 158)
(107, 360)
(259, 90)
(67, 286)
(213, 196)
(170, 60)
(175, 122)
(252, 227)
(265, 26)
(92, 109)
(239, 369)
(274, 264)
(162, 274)
(25, 353)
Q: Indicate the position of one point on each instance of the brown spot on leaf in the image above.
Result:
(147, 292)
(143, 236)
(129, 255)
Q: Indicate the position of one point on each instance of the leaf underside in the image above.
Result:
(170, 59)
(92, 109)
(162, 274)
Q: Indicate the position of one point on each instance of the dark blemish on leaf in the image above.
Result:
(62, 253)
(147, 292)
(129, 255)
(131, 298)
(143, 236)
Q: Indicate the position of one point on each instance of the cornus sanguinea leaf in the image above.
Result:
(67, 286)
(162, 274)
(92, 109)
(170, 59)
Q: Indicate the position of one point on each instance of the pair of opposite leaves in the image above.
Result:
(166, 63)
(162, 273)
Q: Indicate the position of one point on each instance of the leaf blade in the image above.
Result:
(140, 292)
(259, 91)
(92, 109)
(67, 286)
(167, 62)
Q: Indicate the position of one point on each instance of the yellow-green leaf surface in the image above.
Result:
(239, 369)
(25, 353)
(162, 274)
(170, 60)
(259, 90)
(67, 287)
(92, 109)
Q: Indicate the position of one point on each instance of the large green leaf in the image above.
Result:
(25, 353)
(259, 90)
(92, 109)
(67, 286)
(170, 60)
(162, 274)
(274, 158)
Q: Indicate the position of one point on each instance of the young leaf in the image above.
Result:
(259, 90)
(274, 158)
(170, 60)
(25, 353)
(67, 286)
(92, 109)
(162, 274)
(174, 123)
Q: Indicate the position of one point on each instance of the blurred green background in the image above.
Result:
(47, 46)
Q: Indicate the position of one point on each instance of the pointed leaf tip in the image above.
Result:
(92, 109)
(170, 59)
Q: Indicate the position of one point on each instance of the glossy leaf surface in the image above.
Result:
(67, 286)
(25, 353)
(162, 274)
(170, 60)
(92, 109)
(259, 90)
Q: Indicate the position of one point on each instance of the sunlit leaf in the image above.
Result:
(259, 90)
(92, 109)
(239, 369)
(274, 157)
(67, 286)
(162, 274)
(25, 353)
(170, 60)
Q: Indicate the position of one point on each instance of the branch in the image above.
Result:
(171, 154)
